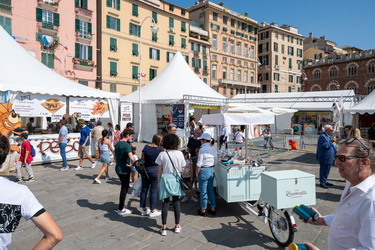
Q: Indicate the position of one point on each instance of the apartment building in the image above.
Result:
(233, 40)
(280, 53)
(129, 46)
(57, 33)
(319, 47)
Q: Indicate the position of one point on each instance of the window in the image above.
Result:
(231, 91)
(183, 43)
(113, 68)
(264, 35)
(171, 7)
(282, 48)
(134, 9)
(214, 72)
(239, 73)
(276, 88)
(135, 49)
(252, 52)
(135, 30)
(84, 29)
(263, 47)
(6, 23)
(224, 44)
(204, 50)
(299, 80)
(245, 64)
(290, 79)
(282, 37)
(183, 12)
(81, 3)
(239, 62)
(290, 51)
(214, 57)
(214, 16)
(231, 76)
(352, 69)
(170, 56)
(231, 61)
(154, 37)
(232, 46)
(114, 4)
(224, 90)
(171, 22)
(276, 35)
(155, 16)
(299, 64)
(276, 76)
(171, 40)
(186, 59)
(154, 54)
(47, 59)
(224, 72)
(276, 47)
(290, 39)
(47, 18)
(112, 44)
(214, 41)
(113, 23)
(290, 63)
(289, 89)
(196, 63)
(369, 89)
(264, 60)
(134, 72)
(233, 23)
(371, 67)
(252, 77)
(225, 20)
(245, 50)
(318, 56)
(86, 83)
(276, 60)
(224, 59)
(195, 47)
(299, 41)
(205, 68)
(152, 73)
(83, 52)
(316, 74)
(183, 26)
(245, 76)
(299, 53)
(239, 49)
(205, 80)
(113, 87)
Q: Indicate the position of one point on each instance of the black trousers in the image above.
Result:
(125, 179)
(176, 208)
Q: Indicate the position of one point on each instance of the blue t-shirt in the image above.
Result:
(64, 131)
(151, 154)
(85, 132)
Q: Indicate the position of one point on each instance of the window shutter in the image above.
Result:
(204, 64)
(109, 3)
(158, 55)
(89, 28)
(199, 48)
(192, 46)
(193, 62)
(150, 74)
(155, 16)
(39, 37)
(113, 43)
(199, 63)
(130, 28)
(118, 4)
(51, 61)
(56, 19)
(77, 54)
(134, 72)
(108, 21)
(135, 49)
(118, 24)
(139, 30)
(44, 60)
(77, 3)
(78, 22)
(39, 15)
(150, 53)
(84, 4)
(112, 68)
(187, 59)
(167, 56)
(90, 53)
(204, 49)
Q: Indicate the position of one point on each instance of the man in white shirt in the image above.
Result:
(352, 226)
(223, 137)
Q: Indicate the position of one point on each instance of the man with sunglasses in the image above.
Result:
(325, 151)
(352, 226)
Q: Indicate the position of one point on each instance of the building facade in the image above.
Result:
(280, 53)
(233, 40)
(341, 71)
(124, 24)
(57, 33)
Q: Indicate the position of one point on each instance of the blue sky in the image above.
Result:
(345, 22)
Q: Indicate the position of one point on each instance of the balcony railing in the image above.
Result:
(5, 8)
(48, 28)
(83, 64)
(83, 37)
(196, 70)
(49, 5)
(84, 14)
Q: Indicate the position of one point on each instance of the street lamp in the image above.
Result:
(154, 30)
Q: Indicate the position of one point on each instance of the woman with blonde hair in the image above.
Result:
(104, 145)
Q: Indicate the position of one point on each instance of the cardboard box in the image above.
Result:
(288, 188)
(238, 182)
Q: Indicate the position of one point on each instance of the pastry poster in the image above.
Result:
(39, 105)
(89, 108)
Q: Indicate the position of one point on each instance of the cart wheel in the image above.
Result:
(280, 226)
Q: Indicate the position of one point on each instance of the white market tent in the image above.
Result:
(170, 86)
(367, 105)
(21, 72)
(228, 119)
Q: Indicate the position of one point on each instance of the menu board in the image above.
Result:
(87, 109)
(126, 111)
(178, 115)
(40, 106)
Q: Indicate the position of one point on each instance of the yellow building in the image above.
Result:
(124, 24)
(280, 53)
(233, 39)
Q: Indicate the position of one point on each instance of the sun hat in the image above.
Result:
(205, 136)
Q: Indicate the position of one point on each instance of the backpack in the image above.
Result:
(141, 168)
(33, 153)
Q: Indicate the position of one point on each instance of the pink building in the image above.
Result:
(60, 34)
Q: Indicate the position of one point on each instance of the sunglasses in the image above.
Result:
(343, 158)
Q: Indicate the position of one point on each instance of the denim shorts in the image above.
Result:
(104, 157)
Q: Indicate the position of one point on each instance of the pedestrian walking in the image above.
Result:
(223, 137)
(96, 134)
(111, 132)
(105, 148)
(117, 136)
(25, 159)
(193, 145)
(84, 145)
(371, 132)
(62, 142)
(267, 137)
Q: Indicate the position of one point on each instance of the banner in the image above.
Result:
(40, 106)
(126, 114)
(178, 115)
(88, 108)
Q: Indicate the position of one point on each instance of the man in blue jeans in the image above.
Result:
(63, 140)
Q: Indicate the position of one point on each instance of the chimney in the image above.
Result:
(311, 35)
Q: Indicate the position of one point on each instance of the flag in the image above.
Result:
(141, 75)
(45, 41)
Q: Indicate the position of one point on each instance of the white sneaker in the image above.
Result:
(145, 212)
(64, 169)
(155, 213)
(177, 230)
(97, 181)
(124, 211)
(108, 178)
(194, 199)
(163, 232)
(185, 199)
(93, 165)
(78, 168)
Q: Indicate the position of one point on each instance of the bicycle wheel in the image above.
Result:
(280, 226)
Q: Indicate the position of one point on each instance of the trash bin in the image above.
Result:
(293, 144)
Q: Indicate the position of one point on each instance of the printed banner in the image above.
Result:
(40, 106)
(308, 129)
(126, 114)
(88, 108)
(178, 115)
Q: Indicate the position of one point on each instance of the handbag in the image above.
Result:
(141, 168)
(183, 183)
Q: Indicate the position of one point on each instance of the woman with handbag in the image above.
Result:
(149, 154)
(170, 165)
(207, 159)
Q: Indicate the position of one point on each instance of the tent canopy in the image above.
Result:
(247, 109)
(170, 86)
(21, 72)
(367, 105)
(228, 119)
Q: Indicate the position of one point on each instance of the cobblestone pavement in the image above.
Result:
(87, 217)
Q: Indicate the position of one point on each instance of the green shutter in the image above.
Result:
(171, 22)
(204, 64)
(77, 54)
(109, 3)
(167, 56)
(150, 74)
(76, 3)
(39, 37)
(183, 26)
(150, 50)
(78, 22)
(276, 60)
(56, 19)
(134, 72)
(39, 15)
(84, 4)
(118, 24)
(113, 43)
(113, 68)
(134, 9)
(118, 4)
(44, 58)
(193, 62)
(155, 16)
(89, 28)
(199, 63)
(192, 46)
(139, 30)
(108, 21)
(130, 28)
(204, 49)
(199, 48)
(90, 53)
(51, 63)
(158, 55)
(187, 59)
(135, 49)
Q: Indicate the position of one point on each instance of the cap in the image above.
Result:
(81, 121)
(24, 135)
(205, 136)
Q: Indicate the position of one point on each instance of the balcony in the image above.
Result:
(204, 55)
(82, 64)
(196, 70)
(205, 70)
(49, 5)
(83, 37)
(5, 8)
(48, 28)
(196, 53)
(232, 82)
(83, 14)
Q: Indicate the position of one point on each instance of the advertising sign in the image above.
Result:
(89, 108)
(308, 129)
(40, 105)
(126, 114)
(178, 115)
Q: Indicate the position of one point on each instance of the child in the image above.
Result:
(187, 175)
(134, 173)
